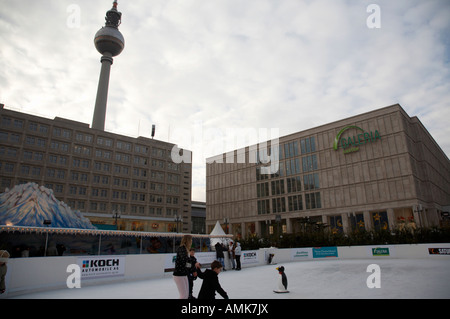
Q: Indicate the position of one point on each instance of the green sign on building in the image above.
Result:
(351, 144)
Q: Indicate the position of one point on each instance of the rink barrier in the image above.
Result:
(26, 275)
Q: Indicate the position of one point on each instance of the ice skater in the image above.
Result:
(192, 272)
(211, 282)
(182, 266)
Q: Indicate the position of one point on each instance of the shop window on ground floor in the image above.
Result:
(336, 224)
(380, 220)
(356, 221)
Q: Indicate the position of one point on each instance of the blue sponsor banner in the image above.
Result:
(323, 252)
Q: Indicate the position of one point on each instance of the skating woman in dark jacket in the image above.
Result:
(211, 282)
(182, 266)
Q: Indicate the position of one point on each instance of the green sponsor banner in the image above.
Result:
(380, 251)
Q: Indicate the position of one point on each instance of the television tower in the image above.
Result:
(109, 42)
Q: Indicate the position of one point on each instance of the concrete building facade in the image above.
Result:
(115, 180)
(380, 169)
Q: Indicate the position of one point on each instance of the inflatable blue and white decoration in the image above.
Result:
(30, 205)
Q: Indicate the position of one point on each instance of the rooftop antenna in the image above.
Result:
(153, 130)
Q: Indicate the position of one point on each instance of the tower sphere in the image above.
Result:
(109, 39)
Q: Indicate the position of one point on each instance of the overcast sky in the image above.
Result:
(201, 68)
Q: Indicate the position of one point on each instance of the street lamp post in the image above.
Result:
(278, 221)
(47, 223)
(418, 209)
(116, 215)
(225, 221)
(178, 219)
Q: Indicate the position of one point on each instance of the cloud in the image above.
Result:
(227, 64)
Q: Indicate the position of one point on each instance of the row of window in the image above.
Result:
(97, 192)
(103, 193)
(83, 150)
(291, 167)
(84, 177)
(291, 149)
(287, 150)
(79, 136)
(121, 209)
(19, 124)
(81, 190)
(294, 203)
(15, 139)
(84, 163)
(171, 189)
(294, 184)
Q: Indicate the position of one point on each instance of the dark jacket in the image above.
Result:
(3, 270)
(182, 263)
(210, 285)
(193, 269)
(219, 250)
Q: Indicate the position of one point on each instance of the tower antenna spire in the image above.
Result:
(109, 42)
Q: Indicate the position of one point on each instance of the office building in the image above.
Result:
(115, 180)
(380, 169)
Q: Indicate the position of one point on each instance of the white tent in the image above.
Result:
(218, 231)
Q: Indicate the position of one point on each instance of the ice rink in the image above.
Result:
(399, 278)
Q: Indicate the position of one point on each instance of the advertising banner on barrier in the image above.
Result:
(381, 251)
(324, 252)
(101, 266)
(439, 251)
(249, 257)
(205, 259)
(301, 253)
(169, 262)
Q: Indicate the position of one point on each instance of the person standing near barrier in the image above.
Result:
(4, 255)
(219, 254)
(231, 248)
(237, 253)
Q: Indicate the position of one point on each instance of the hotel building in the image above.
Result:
(380, 169)
(115, 180)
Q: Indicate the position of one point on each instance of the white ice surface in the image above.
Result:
(400, 278)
